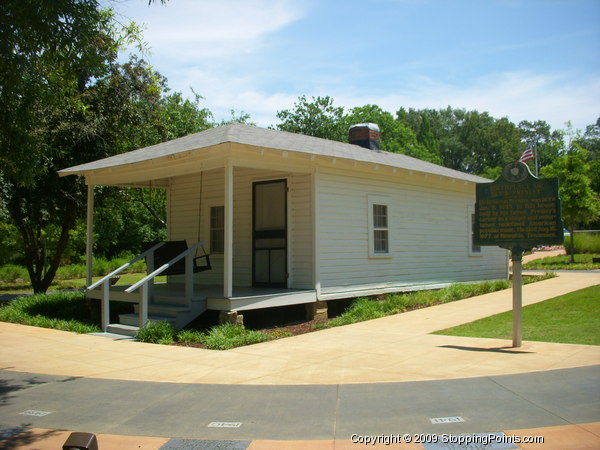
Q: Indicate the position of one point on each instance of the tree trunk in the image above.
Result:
(41, 272)
(572, 242)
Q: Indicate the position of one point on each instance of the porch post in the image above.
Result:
(89, 246)
(228, 244)
(315, 232)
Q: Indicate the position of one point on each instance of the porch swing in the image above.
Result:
(171, 249)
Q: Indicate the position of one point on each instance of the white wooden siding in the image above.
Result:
(428, 237)
(428, 226)
(300, 244)
(184, 202)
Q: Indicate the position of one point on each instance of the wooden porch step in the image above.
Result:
(156, 309)
(126, 330)
(133, 319)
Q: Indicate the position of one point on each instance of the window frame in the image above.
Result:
(212, 229)
(470, 230)
(372, 201)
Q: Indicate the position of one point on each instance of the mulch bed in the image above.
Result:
(294, 329)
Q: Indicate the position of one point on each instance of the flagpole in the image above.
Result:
(535, 153)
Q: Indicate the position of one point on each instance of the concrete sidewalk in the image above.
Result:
(391, 349)
(584, 436)
(376, 378)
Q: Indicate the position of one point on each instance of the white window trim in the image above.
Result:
(377, 199)
(208, 224)
(471, 252)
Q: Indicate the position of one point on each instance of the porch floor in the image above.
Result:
(243, 298)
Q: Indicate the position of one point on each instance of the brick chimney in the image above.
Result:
(364, 134)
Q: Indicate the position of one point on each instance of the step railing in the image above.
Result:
(105, 282)
(142, 291)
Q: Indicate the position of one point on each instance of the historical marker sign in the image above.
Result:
(518, 210)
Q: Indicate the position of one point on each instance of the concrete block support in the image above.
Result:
(231, 317)
(316, 310)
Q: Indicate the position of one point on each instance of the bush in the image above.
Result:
(11, 273)
(367, 309)
(584, 242)
(157, 333)
(190, 337)
(227, 336)
(63, 311)
(71, 272)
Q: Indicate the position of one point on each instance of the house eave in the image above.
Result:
(246, 145)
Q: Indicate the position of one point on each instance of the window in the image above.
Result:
(474, 250)
(217, 229)
(379, 233)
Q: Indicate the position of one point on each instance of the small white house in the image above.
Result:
(291, 219)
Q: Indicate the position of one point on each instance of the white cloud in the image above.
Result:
(516, 95)
(186, 30)
(224, 49)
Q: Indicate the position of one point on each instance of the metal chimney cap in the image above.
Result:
(370, 126)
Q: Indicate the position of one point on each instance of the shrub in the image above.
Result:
(190, 337)
(71, 272)
(63, 311)
(584, 242)
(99, 266)
(11, 273)
(367, 309)
(227, 335)
(157, 333)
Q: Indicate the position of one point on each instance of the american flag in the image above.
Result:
(527, 154)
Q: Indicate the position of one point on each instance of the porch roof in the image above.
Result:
(273, 139)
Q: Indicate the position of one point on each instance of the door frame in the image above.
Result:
(285, 234)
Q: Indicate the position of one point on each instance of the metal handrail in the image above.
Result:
(124, 266)
(162, 268)
(146, 284)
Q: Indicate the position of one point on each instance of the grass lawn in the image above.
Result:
(569, 319)
(77, 283)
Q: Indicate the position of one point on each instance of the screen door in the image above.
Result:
(269, 233)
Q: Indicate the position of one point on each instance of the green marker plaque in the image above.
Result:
(518, 210)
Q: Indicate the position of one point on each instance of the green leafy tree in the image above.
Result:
(591, 142)
(549, 143)
(47, 51)
(64, 101)
(579, 201)
(319, 118)
(444, 126)
(50, 53)
(395, 135)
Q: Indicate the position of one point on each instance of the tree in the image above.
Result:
(64, 101)
(395, 135)
(318, 118)
(591, 142)
(579, 202)
(443, 134)
(548, 143)
(50, 53)
(47, 49)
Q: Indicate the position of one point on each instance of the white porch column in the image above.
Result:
(228, 244)
(89, 246)
(315, 231)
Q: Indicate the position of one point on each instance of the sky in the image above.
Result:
(521, 59)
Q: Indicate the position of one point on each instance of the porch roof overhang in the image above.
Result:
(244, 145)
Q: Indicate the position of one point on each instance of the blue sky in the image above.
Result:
(521, 59)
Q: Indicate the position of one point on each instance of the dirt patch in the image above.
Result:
(292, 330)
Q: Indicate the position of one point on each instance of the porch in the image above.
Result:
(168, 302)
